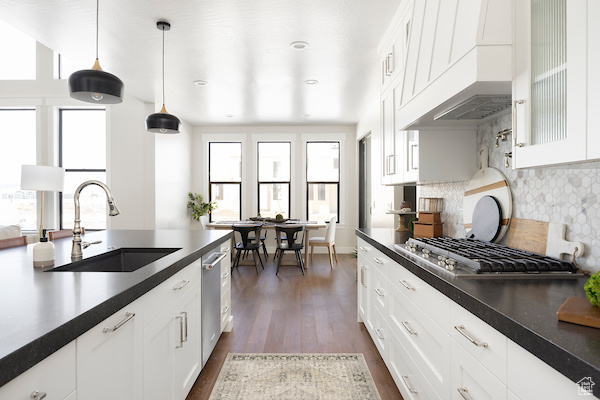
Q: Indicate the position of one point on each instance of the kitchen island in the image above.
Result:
(41, 311)
(522, 313)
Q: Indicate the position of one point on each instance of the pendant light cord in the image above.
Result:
(163, 66)
(97, 13)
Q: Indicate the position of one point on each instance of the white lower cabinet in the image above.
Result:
(470, 380)
(110, 357)
(172, 349)
(226, 317)
(55, 376)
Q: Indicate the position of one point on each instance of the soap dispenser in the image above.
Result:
(43, 252)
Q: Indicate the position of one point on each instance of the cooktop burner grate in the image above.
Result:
(485, 257)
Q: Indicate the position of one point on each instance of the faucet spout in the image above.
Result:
(76, 252)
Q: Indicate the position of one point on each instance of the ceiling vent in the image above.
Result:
(477, 107)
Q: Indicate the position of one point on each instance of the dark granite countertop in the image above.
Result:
(524, 310)
(41, 311)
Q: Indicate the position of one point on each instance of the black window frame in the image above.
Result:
(211, 183)
(259, 182)
(337, 183)
(60, 159)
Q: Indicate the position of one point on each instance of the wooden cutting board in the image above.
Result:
(542, 237)
(579, 311)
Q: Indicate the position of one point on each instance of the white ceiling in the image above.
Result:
(240, 47)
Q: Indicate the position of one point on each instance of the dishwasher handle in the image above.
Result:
(210, 265)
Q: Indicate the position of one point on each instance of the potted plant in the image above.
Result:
(198, 206)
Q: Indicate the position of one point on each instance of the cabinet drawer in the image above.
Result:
(428, 299)
(171, 290)
(225, 279)
(376, 258)
(380, 291)
(410, 381)
(479, 339)
(380, 333)
(225, 309)
(55, 376)
(428, 345)
(470, 380)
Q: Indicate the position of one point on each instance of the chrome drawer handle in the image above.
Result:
(181, 285)
(128, 316)
(38, 395)
(462, 330)
(378, 261)
(408, 385)
(379, 333)
(185, 315)
(225, 275)
(180, 318)
(406, 285)
(363, 249)
(225, 250)
(226, 309)
(380, 292)
(464, 393)
(408, 328)
(362, 275)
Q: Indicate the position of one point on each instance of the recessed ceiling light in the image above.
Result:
(306, 115)
(229, 115)
(299, 45)
(200, 82)
(311, 81)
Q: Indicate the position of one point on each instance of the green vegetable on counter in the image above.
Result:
(592, 289)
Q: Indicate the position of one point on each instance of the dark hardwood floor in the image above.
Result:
(292, 313)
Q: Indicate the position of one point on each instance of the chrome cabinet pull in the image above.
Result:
(464, 393)
(408, 385)
(180, 318)
(181, 284)
(225, 275)
(362, 275)
(226, 309)
(378, 261)
(408, 328)
(128, 316)
(389, 64)
(380, 292)
(225, 250)
(185, 316)
(463, 331)
(379, 333)
(406, 285)
(363, 249)
(38, 395)
(514, 128)
(412, 156)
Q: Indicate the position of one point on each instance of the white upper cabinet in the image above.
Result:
(551, 85)
(392, 52)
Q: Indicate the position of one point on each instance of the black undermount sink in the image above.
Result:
(120, 260)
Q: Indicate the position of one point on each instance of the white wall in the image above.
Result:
(297, 135)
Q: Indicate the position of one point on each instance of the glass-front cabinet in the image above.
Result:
(550, 88)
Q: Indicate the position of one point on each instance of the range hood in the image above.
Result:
(458, 65)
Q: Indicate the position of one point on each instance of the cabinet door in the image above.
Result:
(109, 357)
(159, 348)
(387, 135)
(410, 165)
(55, 376)
(186, 360)
(550, 85)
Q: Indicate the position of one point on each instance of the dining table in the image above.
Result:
(310, 225)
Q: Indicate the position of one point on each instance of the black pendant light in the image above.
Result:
(163, 122)
(95, 85)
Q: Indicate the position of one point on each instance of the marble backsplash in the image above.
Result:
(569, 194)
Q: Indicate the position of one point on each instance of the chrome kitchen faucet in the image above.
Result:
(76, 252)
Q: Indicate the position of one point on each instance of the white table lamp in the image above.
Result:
(42, 178)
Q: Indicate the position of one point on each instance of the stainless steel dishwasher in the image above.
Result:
(211, 301)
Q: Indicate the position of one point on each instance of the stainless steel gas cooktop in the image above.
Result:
(479, 259)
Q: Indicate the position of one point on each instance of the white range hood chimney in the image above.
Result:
(458, 64)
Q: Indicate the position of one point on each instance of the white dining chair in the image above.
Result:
(204, 221)
(328, 240)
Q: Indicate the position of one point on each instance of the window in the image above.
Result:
(66, 67)
(225, 180)
(323, 180)
(274, 179)
(18, 133)
(18, 51)
(82, 153)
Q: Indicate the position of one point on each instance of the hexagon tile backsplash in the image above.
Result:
(569, 194)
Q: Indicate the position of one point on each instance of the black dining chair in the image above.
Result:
(250, 236)
(290, 237)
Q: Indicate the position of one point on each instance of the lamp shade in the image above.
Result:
(41, 177)
(162, 122)
(96, 86)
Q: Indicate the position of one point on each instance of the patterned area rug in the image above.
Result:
(294, 377)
